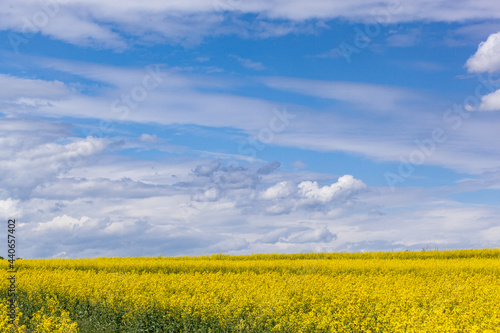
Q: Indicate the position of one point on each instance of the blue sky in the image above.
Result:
(190, 127)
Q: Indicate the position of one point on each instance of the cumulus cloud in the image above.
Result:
(345, 186)
(94, 216)
(212, 194)
(286, 197)
(487, 56)
(490, 102)
(112, 236)
(249, 191)
(281, 190)
(34, 156)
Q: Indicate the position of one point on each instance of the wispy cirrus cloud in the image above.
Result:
(116, 25)
(365, 95)
(250, 64)
(202, 100)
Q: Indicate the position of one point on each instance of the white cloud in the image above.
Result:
(298, 235)
(110, 23)
(212, 194)
(217, 206)
(148, 138)
(492, 234)
(250, 64)
(280, 190)
(9, 209)
(39, 91)
(229, 244)
(274, 236)
(187, 99)
(179, 98)
(37, 152)
(487, 56)
(322, 235)
(89, 214)
(299, 164)
(207, 170)
(367, 96)
(62, 223)
(285, 197)
(490, 102)
(404, 39)
(345, 186)
(467, 147)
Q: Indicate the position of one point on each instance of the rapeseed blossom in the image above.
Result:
(428, 291)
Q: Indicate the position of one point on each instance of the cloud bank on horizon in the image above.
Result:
(138, 128)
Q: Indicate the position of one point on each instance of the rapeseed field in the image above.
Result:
(426, 291)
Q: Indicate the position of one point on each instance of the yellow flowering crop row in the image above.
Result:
(428, 291)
